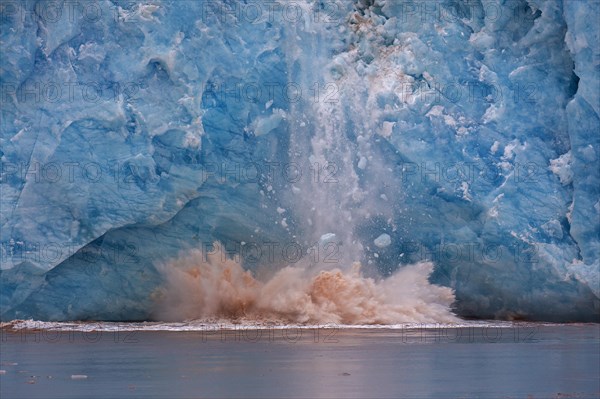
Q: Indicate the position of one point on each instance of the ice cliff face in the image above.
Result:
(462, 132)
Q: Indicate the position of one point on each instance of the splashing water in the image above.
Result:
(200, 286)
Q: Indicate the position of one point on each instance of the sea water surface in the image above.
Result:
(199, 360)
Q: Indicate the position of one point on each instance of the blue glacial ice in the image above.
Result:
(391, 132)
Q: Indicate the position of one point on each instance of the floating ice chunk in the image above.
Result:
(79, 377)
(383, 241)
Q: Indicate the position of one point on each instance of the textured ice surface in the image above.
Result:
(467, 131)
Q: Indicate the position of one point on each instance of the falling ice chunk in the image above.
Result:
(362, 163)
(383, 241)
(327, 238)
(267, 124)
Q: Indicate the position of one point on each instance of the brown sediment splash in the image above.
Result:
(200, 286)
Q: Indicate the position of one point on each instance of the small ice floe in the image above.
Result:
(2, 372)
(78, 376)
(383, 241)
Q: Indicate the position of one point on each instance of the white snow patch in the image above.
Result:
(509, 150)
(387, 129)
(465, 191)
(491, 114)
(561, 167)
(494, 147)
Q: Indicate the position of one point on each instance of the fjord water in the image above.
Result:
(478, 360)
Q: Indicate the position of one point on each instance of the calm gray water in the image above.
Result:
(528, 361)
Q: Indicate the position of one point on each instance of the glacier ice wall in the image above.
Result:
(465, 131)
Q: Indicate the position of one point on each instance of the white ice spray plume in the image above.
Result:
(205, 286)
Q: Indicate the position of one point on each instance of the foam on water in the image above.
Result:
(245, 324)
